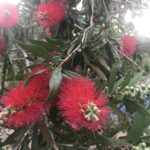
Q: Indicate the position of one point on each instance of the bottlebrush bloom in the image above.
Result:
(82, 105)
(128, 47)
(24, 105)
(9, 15)
(50, 14)
(2, 45)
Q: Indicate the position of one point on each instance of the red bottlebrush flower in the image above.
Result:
(128, 47)
(2, 45)
(50, 14)
(82, 105)
(25, 104)
(9, 15)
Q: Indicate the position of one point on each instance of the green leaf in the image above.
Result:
(58, 42)
(126, 80)
(138, 107)
(27, 81)
(117, 111)
(15, 137)
(49, 47)
(136, 78)
(112, 78)
(99, 72)
(26, 147)
(36, 50)
(137, 128)
(103, 140)
(47, 135)
(117, 84)
(69, 73)
(103, 62)
(34, 145)
(54, 83)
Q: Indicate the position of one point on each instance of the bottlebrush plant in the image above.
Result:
(73, 76)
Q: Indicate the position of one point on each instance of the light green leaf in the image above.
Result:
(136, 78)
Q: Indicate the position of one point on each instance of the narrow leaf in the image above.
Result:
(117, 111)
(36, 50)
(136, 130)
(34, 144)
(44, 44)
(47, 135)
(99, 72)
(103, 62)
(54, 83)
(126, 80)
(138, 107)
(136, 78)
(112, 78)
(15, 137)
(117, 84)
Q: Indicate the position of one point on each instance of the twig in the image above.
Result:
(83, 37)
(92, 15)
(68, 57)
(76, 147)
(106, 10)
(110, 43)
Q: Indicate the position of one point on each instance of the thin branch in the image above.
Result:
(92, 15)
(110, 43)
(107, 12)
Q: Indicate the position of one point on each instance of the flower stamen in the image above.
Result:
(43, 15)
(92, 112)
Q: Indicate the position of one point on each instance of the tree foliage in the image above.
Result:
(87, 43)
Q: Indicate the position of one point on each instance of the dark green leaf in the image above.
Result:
(138, 107)
(117, 111)
(49, 47)
(47, 135)
(26, 147)
(34, 145)
(58, 42)
(54, 83)
(112, 78)
(99, 72)
(137, 128)
(36, 50)
(14, 137)
(101, 139)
